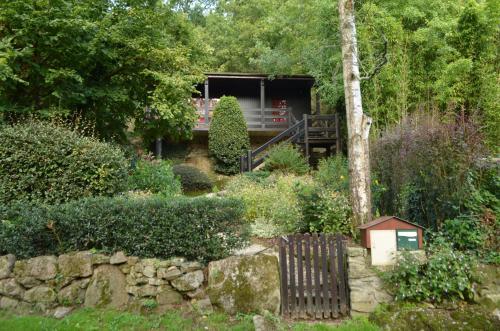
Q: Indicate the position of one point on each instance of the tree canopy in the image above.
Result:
(441, 55)
(106, 60)
(103, 61)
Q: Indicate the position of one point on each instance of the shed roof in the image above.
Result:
(382, 220)
(242, 75)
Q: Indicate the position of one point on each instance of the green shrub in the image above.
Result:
(333, 172)
(44, 163)
(466, 233)
(155, 177)
(196, 228)
(192, 178)
(228, 137)
(325, 210)
(286, 158)
(445, 275)
(271, 205)
(434, 169)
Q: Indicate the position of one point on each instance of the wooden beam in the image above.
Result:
(207, 100)
(306, 136)
(318, 104)
(158, 147)
(262, 101)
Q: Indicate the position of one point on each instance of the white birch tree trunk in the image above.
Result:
(358, 124)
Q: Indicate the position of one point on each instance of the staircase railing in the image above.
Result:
(304, 131)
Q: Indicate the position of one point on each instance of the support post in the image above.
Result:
(306, 135)
(207, 100)
(249, 161)
(337, 134)
(262, 102)
(158, 148)
(242, 164)
(318, 104)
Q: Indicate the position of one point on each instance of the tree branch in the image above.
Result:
(382, 60)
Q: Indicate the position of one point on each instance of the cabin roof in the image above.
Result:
(241, 75)
(384, 219)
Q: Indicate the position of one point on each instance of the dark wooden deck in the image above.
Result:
(312, 131)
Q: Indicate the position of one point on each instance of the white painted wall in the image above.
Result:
(383, 246)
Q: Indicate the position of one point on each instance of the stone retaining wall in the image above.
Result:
(55, 284)
(366, 287)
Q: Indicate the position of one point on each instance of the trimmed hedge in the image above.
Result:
(44, 163)
(192, 179)
(196, 228)
(228, 137)
(154, 176)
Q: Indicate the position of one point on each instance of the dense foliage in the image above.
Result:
(192, 178)
(228, 135)
(435, 169)
(271, 204)
(287, 158)
(446, 274)
(50, 164)
(196, 228)
(282, 203)
(156, 177)
(102, 61)
(440, 54)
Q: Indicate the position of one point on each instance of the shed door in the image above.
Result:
(383, 244)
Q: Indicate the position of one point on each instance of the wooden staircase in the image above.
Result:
(310, 132)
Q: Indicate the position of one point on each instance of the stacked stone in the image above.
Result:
(366, 287)
(51, 284)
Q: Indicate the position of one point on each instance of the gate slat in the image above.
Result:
(317, 283)
(307, 240)
(324, 276)
(333, 278)
(300, 278)
(291, 257)
(341, 272)
(284, 278)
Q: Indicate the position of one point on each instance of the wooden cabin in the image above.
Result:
(268, 104)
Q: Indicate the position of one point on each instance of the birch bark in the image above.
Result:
(358, 123)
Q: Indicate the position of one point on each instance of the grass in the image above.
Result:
(176, 320)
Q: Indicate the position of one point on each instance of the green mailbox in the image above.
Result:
(407, 240)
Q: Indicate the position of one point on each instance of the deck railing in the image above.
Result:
(267, 119)
(311, 130)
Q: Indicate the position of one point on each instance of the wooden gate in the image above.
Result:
(313, 276)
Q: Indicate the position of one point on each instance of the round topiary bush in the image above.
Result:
(228, 136)
(192, 179)
(44, 163)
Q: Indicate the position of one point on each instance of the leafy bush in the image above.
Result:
(286, 158)
(432, 169)
(333, 172)
(325, 210)
(446, 275)
(44, 163)
(197, 228)
(466, 233)
(228, 137)
(154, 176)
(280, 204)
(271, 205)
(192, 179)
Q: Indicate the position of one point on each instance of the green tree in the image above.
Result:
(102, 61)
(228, 135)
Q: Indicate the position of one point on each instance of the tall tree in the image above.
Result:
(358, 123)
